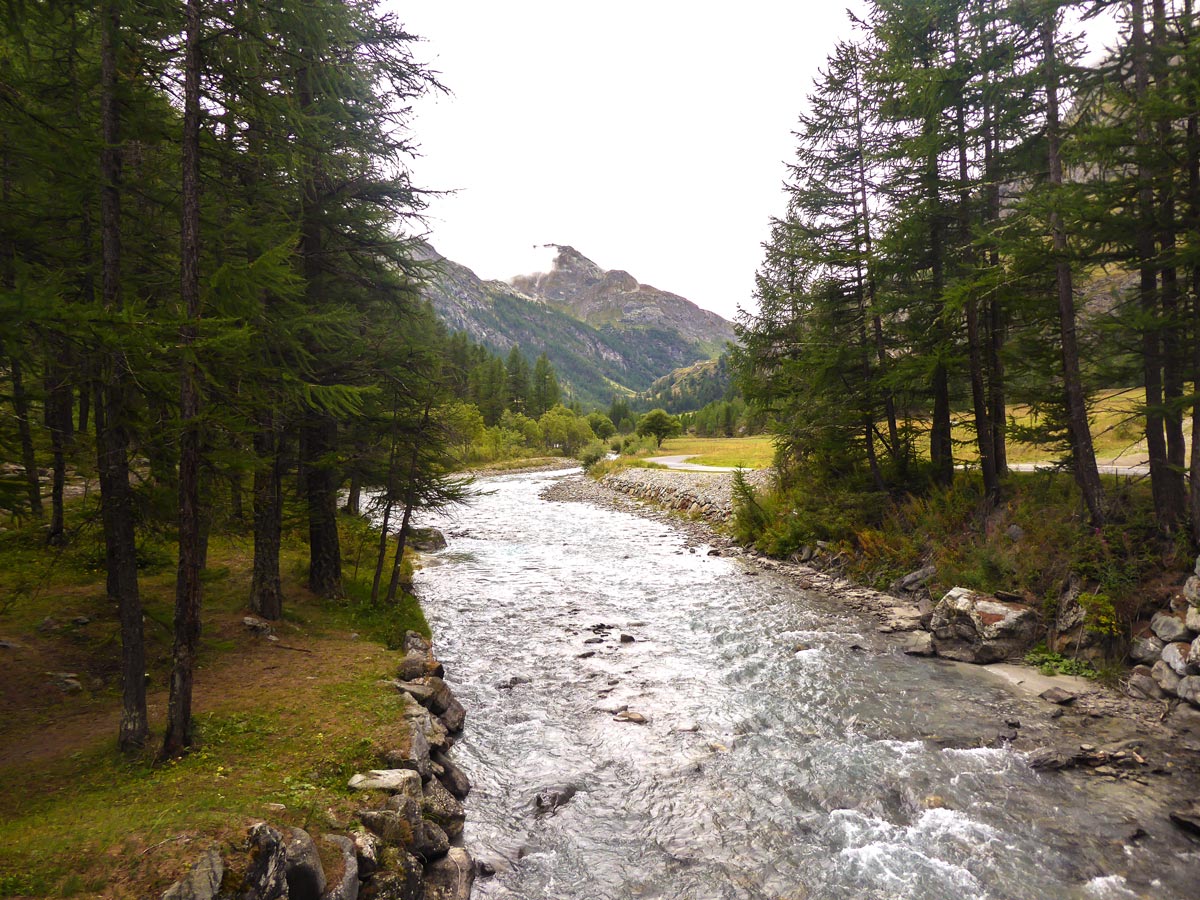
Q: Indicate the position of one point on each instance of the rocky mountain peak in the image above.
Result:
(578, 286)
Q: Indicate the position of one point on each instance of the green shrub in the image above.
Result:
(592, 453)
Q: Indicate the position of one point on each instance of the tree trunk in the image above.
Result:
(1156, 442)
(941, 444)
(191, 540)
(266, 591)
(381, 557)
(1174, 360)
(20, 401)
(58, 414)
(112, 437)
(1193, 206)
(1086, 474)
(984, 437)
(354, 497)
(324, 549)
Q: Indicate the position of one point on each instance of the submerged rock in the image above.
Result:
(551, 798)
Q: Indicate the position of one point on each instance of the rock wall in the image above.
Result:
(707, 495)
(408, 845)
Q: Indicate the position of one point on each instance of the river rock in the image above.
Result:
(416, 665)
(918, 643)
(1058, 696)
(454, 717)
(304, 874)
(343, 885)
(1192, 618)
(426, 540)
(404, 827)
(629, 715)
(395, 781)
(201, 882)
(413, 641)
(266, 874)
(402, 880)
(440, 806)
(415, 756)
(1141, 684)
(912, 581)
(1191, 588)
(976, 628)
(452, 777)
(551, 798)
(1176, 656)
(418, 718)
(1165, 677)
(367, 847)
(1189, 689)
(1169, 627)
(419, 691)
(1146, 649)
(451, 877)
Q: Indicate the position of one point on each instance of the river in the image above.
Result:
(777, 761)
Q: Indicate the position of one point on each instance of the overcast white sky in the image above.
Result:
(650, 135)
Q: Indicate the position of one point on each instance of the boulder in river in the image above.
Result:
(426, 540)
(551, 798)
(451, 877)
(976, 628)
(1141, 684)
(452, 777)
(440, 806)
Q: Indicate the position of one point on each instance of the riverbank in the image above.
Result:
(285, 713)
(1149, 750)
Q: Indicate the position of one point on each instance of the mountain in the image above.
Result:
(689, 388)
(620, 353)
(600, 297)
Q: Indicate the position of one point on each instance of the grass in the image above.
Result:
(608, 466)
(756, 452)
(281, 723)
(1118, 431)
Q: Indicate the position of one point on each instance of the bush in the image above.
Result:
(593, 453)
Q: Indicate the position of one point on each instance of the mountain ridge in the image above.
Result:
(633, 341)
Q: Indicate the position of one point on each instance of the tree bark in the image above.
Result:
(1087, 476)
(1156, 442)
(266, 591)
(191, 540)
(1193, 207)
(111, 427)
(1174, 360)
(324, 549)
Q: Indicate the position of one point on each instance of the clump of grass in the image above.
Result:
(1049, 662)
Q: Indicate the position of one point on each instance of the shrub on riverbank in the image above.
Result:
(1031, 543)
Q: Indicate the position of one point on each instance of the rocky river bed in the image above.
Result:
(655, 714)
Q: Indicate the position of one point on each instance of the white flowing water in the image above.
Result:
(777, 762)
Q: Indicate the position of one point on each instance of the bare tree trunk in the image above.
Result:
(191, 540)
(112, 437)
(1086, 474)
(410, 499)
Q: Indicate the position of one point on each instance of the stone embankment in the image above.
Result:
(408, 845)
(706, 495)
